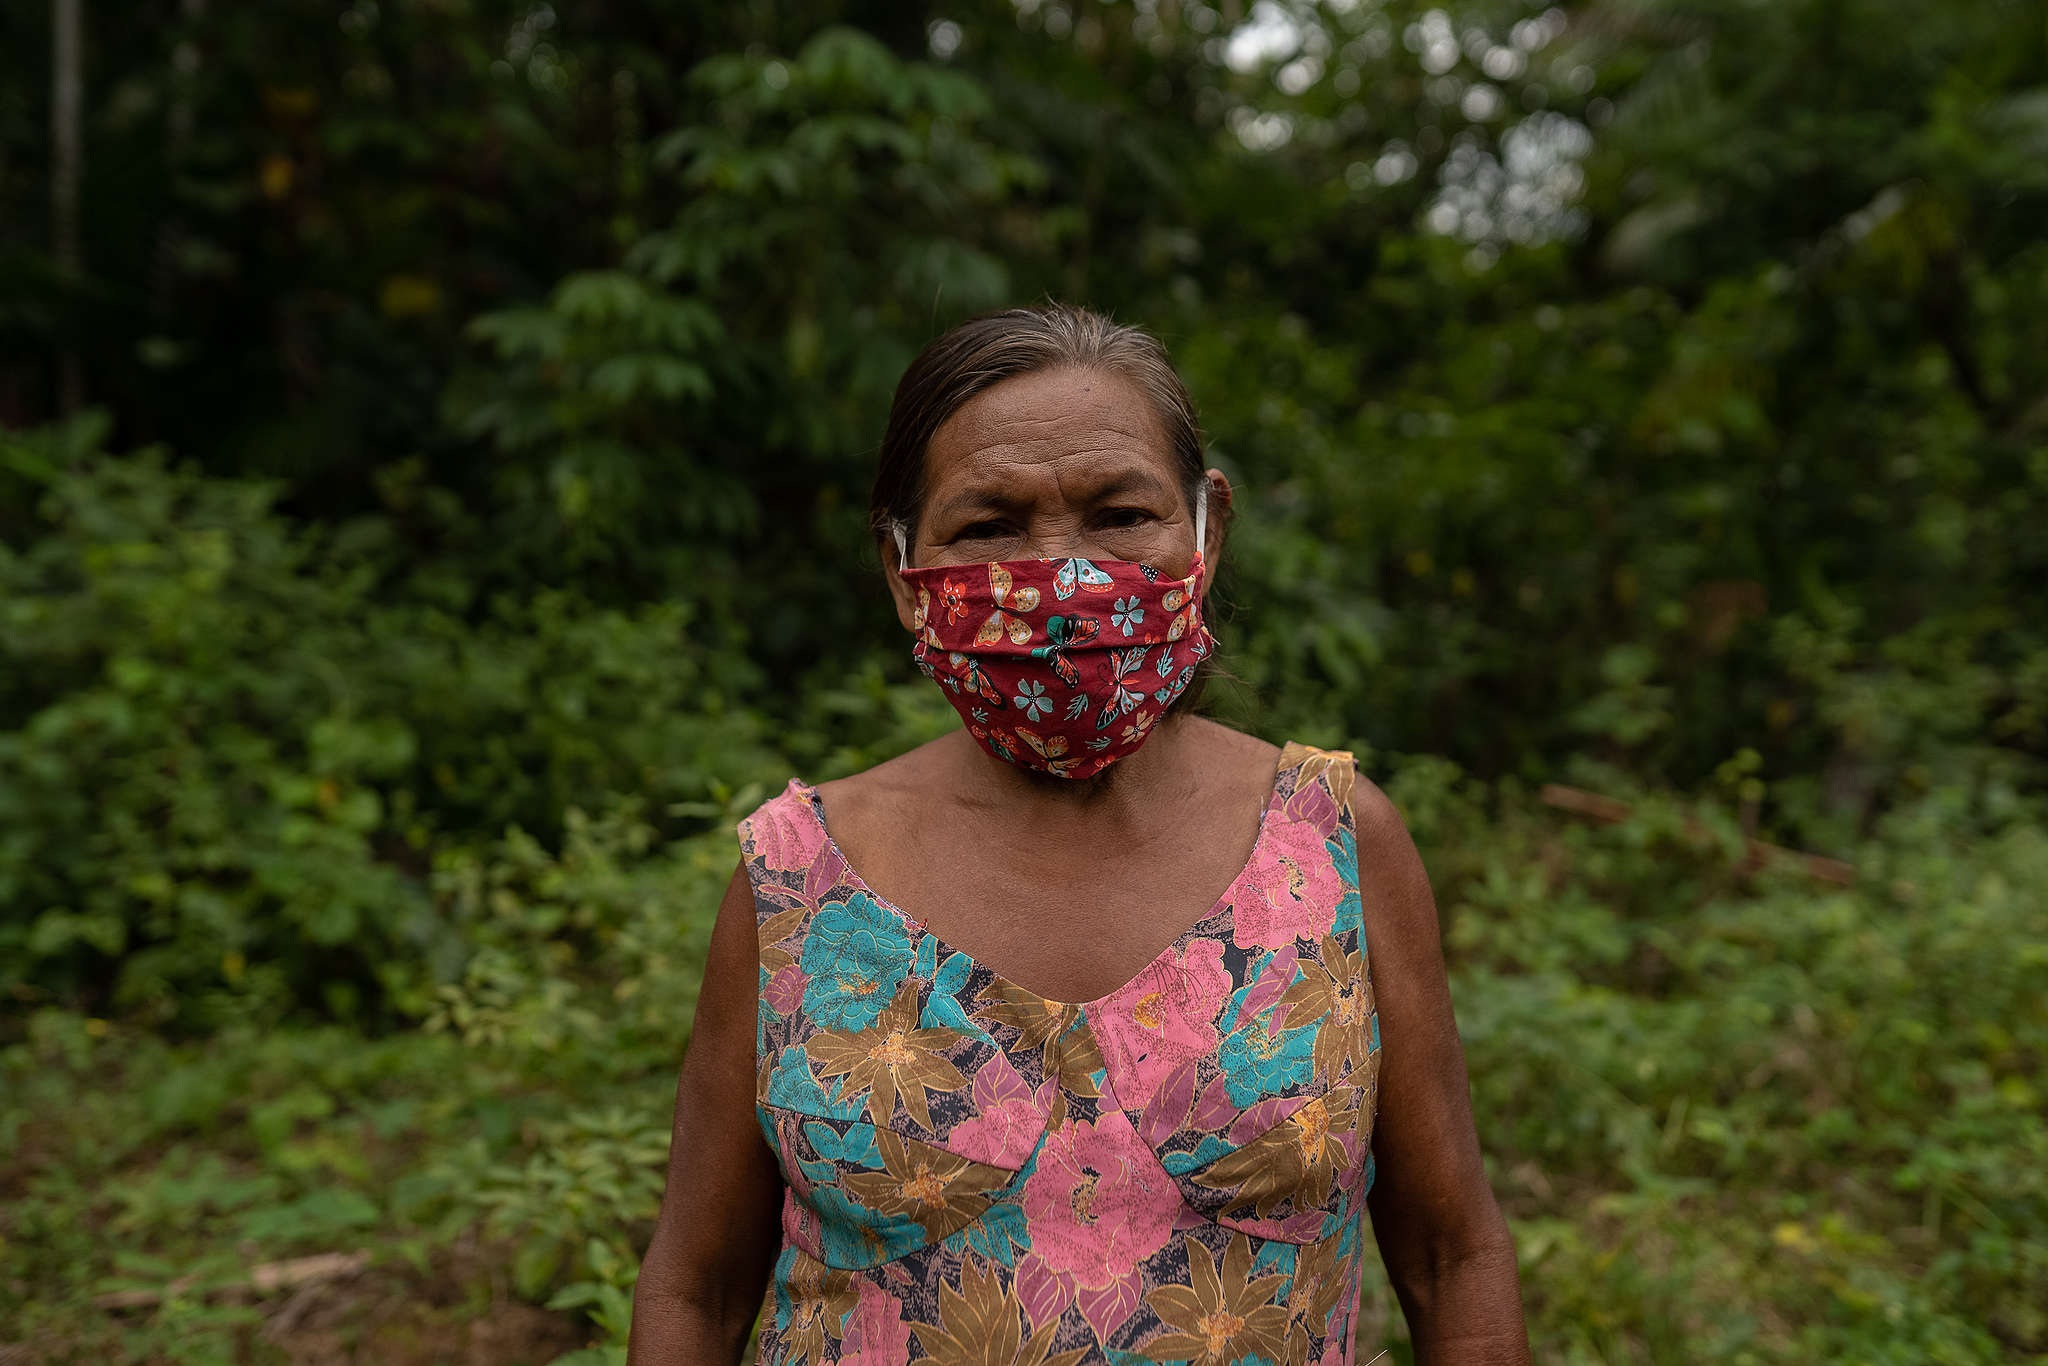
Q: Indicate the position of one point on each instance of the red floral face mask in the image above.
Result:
(1063, 666)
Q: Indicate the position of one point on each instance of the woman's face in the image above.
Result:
(1056, 464)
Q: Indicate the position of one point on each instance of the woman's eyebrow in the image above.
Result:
(996, 501)
(1134, 481)
(974, 503)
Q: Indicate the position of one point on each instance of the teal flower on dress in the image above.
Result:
(1212, 1147)
(856, 1236)
(1031, 700)
(1343, 848)
(855, 954)
(1257, 1063)
(792, 1086)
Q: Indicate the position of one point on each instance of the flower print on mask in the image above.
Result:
(1127, 614)
(1031, 699)
(986, 650)
(953, 597)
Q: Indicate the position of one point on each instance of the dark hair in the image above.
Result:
(983, 352)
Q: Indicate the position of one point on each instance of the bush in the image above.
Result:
(231, 747)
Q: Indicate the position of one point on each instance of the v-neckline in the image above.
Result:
(1222, 909)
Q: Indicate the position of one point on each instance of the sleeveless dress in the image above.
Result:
(1175, 1172)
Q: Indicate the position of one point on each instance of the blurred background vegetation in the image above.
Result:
(434, 438)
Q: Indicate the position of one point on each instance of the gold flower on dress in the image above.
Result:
(940, 1190)
(891, 1059)
(1297, 1159)
(819, 1298)
(1337, 992)
(1220, 1315)
(982, 1324)
(1335, 767)
(777, 928)
(1320, 1279)
(1068, 1045)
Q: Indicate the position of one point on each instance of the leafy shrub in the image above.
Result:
(232, 746)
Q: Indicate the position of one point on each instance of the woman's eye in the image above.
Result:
(1124, 517)
(976, 531)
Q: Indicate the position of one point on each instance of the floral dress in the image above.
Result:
(1175, 1172)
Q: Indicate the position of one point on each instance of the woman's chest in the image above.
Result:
(918, 1093)
(1071, 913)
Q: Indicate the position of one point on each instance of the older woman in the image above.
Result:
(1057, 1039)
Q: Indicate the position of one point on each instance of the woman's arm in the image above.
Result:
(701, 1281)
(1446, 1246)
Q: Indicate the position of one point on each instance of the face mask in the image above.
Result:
(1063, 666)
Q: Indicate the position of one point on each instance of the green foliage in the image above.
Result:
(229, 750)
(471, 526)
(1728, 1116)
(1818, 1108)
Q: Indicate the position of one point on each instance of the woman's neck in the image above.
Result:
(1131, 781)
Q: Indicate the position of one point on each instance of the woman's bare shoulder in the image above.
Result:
(895, 784)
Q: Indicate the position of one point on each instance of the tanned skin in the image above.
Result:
(994, 859)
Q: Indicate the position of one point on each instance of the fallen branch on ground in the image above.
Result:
(1608, 811)
(264, 1279)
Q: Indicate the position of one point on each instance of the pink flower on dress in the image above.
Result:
(1098, 1202)
(785, 836)
(1008, 1120)
(1312, 805)
(876, 1334)
(1286, 895)
(1165, 1017)
(1044, 1293)
(785, 990)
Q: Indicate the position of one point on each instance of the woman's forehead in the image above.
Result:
(1089, 427)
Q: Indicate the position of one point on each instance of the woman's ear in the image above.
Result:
(905, 596)
(1220, 494)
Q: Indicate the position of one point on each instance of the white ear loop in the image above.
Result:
(902, 549)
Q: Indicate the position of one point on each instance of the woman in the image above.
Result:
(1055, 1040)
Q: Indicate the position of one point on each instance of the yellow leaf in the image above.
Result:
(290, 102)
(275, 176)
(1794, 1236)
(408, 296)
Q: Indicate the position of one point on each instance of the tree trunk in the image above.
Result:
(66, 155)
